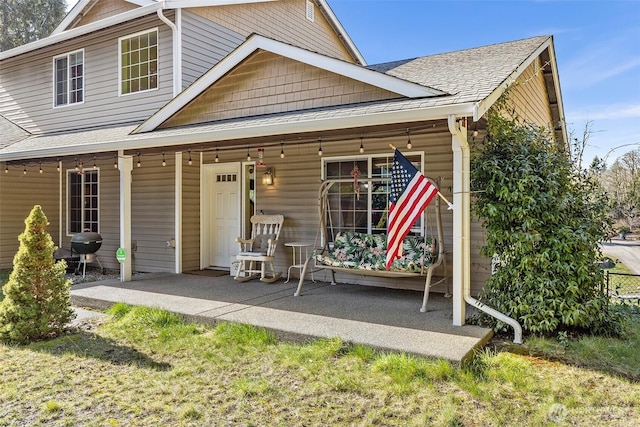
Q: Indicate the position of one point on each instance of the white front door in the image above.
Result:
(221, 202)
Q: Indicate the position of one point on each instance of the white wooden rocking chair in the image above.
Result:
(260, 248)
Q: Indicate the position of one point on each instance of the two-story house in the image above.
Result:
(154, 123)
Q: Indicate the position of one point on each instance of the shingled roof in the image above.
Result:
(10, 133)
(466, 76)
(471, 74)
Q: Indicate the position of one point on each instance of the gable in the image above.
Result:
(272, 18)
(267, 83)
(97, 10)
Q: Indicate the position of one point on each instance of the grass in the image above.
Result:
(146, 367)
(619, 267)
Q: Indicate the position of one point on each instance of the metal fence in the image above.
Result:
(623, 286)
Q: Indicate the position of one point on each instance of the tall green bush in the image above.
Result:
(544, 219)
(36, 300)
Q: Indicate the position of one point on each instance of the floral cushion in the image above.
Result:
(369, 252)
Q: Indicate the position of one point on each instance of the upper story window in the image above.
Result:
(139, 62)
(82, 201)
(68, 70)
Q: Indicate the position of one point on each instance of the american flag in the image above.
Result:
(410, 194)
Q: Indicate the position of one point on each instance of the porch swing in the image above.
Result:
(364, 254)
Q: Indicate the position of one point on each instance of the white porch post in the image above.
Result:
(178, 214)
(125, 165)
(461, 218)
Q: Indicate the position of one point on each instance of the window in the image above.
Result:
(368, 213)
(68, 78)
(82, 194)
(139, 62)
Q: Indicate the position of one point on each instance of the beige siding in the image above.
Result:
(18, 194)
(295, 193)
(268, 83)
(104, 9)
(204, 43)
(191, 212)
(529, 96)
(26, 88)
(153, 213)
(283, 20)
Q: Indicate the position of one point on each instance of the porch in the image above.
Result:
(387, 319)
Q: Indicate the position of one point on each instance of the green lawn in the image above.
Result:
(146, 367)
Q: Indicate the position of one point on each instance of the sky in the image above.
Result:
(597, 45)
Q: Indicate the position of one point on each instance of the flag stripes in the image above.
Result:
(410, 195)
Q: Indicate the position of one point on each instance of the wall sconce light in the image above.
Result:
(267, 178)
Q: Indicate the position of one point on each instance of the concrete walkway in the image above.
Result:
(382, 318)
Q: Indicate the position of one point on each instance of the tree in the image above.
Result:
(622, 182)
(24, 21)
(37, 302)
(544, 218)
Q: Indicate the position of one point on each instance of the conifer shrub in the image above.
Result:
(36, 302)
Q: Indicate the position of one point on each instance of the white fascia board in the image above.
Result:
(71, 16)
(177, 4)
(556, 84)
(483, 106)
(153, 140)
(335, 22)
(256, 42)
(82, 30)
(141, 2)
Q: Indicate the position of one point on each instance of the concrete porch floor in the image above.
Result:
(386, 319)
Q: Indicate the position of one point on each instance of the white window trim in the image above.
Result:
(84, 73)
(150, 30)
(67, 196)
(370, 158)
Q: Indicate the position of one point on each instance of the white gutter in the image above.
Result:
(462, 232)
(177, 48)
(258, 130)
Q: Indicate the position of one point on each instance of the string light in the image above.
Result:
(139, 164)
(282, 150)
(319, 146)
(217, 159)
(77, 168)
(40, 170)
(94, 163)
(164, 162)
(6, 168)
(361, 144)
(248, 154)
(24, 172)
(115, 161)
(57, 165)
(190, 161)
(409, 145)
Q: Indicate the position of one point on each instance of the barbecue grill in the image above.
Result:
(86, 244)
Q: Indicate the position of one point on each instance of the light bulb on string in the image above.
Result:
(57, 165)
(282, 150)
(164, 162)
(40, 170)
(361, 145)
(24, 171)
(94, 163)
(319, 146)
(6, 168)
(409, 145)
(115, 161)
(77, 168)
(248, 155)
(217, 159)
(190, 161)
(139, 163)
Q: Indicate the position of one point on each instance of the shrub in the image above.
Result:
(36, 300)
(544, 219)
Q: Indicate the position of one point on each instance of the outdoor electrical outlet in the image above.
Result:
(171, 243)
